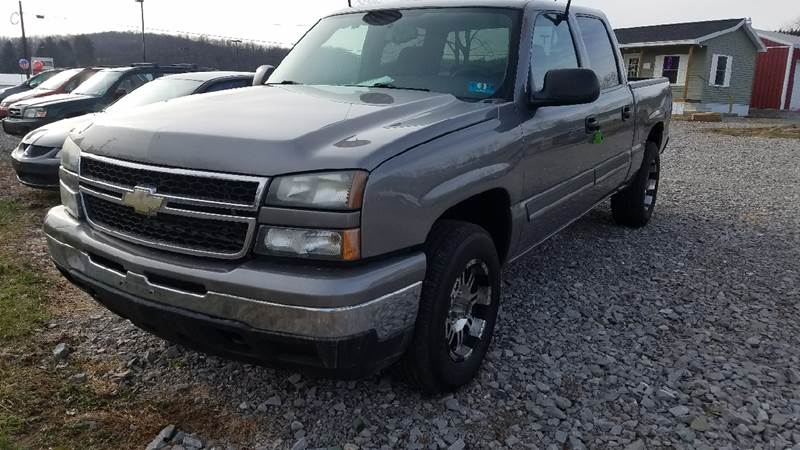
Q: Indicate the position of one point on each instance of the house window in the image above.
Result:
(721, 69)
(671, 68)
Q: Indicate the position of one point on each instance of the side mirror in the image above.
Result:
(262, 74)
(119, 94)
(564, 87)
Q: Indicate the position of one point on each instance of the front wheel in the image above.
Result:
(458, 308)
(634, 205)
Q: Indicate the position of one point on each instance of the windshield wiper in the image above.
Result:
(389, 86)
(287, 83)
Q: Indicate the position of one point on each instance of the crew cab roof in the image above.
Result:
(512, 4)
(208, 76)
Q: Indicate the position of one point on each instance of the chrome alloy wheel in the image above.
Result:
(466, 318)
(651, 189)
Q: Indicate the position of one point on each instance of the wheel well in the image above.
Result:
(656, 135)
(490, 210)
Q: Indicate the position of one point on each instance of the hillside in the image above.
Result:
(119, 48)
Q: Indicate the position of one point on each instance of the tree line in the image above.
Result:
(121, 48)
(793, 29)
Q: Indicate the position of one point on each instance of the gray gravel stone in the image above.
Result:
(61, 352)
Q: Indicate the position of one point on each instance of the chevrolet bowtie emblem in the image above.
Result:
(143, 200)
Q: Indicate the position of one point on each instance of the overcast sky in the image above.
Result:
(269, 20)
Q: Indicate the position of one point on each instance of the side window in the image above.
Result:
(553, 47)
(602, 57)
(134, 81)
(228, 84)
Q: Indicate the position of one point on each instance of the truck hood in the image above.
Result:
(54, 134)
(271, 130)
(54, 100)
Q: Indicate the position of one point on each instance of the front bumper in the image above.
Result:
(344, 321)
(21, 127)
(41, 172)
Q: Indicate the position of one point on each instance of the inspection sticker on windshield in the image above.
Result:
(481, 88)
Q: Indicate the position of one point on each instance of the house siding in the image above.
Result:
(744, 52)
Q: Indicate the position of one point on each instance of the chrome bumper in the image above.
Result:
(311, 302)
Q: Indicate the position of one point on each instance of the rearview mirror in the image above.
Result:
(564, 87)
(262, 74)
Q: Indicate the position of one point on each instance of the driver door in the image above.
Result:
(558, 159)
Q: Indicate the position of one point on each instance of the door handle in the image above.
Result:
(627, 112)
(592, 125)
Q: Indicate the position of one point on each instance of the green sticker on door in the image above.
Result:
(598, 137)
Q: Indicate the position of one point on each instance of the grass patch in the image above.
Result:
(22, 296)
(10, 211)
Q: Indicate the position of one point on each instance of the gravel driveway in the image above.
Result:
(682, 335)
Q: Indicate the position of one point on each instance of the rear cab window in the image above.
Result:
(601, 53)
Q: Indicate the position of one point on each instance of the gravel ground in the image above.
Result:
(682, 335)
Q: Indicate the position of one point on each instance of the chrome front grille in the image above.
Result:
(191, 212)
(15, 113)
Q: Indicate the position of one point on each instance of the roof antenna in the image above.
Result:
(566, 11)
(349, 3)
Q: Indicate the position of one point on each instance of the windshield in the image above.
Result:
(37, 80)
(459, 51)
(58, 80)
(157, 91)
(98, 84)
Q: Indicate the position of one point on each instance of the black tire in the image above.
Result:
(454, 249)
(634, 206)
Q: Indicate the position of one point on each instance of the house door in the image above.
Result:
(633, 64)
(795, 103)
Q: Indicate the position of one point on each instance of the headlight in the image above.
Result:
(343, 245)
(70, 196)
(35, 113)
(71, 156)
(331, 190)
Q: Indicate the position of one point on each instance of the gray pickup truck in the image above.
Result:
(354, 209)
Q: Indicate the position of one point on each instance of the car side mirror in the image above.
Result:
(564, 87)
(262, 74)
(119, 94)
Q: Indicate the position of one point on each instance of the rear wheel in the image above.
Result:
(458, 308)
(634, 205)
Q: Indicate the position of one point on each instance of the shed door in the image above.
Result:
(795, 104)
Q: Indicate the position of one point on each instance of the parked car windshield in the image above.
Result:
(98, 84)
(465, 52)
(58, 80)
(156, 91)
(37, 80)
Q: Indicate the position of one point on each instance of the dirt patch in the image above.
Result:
(780, 131)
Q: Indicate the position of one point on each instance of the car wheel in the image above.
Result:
(634, 206)
(458, 308)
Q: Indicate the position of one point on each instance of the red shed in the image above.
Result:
(777, 80)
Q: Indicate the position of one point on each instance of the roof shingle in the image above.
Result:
(673, 32)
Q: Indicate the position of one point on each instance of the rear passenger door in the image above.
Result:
(613, 111)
